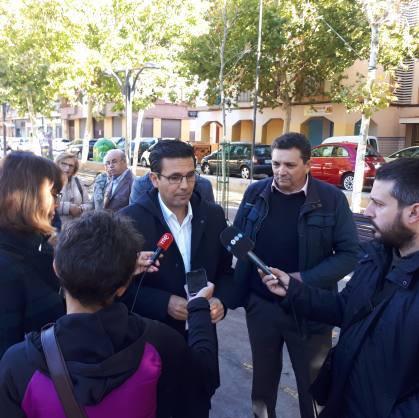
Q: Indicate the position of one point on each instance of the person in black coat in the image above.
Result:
(173, 207)
(29, 299)
(195, 224)
(119, 363)
(374, 369)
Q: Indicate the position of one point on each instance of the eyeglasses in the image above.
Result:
(178, 178)
(62, 163)
(113, 162)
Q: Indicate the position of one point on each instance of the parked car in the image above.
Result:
(335, 164)
(404, 153)
(145, 144)
(238, 160)
(60, 144)
(354, 139)
(76, 147)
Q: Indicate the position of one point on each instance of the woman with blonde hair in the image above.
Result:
(75, 199)
(29, 299)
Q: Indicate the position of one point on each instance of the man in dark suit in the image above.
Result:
(173, 206)
(118, 188)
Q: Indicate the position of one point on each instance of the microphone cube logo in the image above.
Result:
(235, 240)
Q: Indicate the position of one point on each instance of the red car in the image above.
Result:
(335, 164)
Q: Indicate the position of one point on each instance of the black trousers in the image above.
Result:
(269, 327)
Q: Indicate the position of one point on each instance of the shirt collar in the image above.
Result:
(167, 213)
(303, 189)
(121, 176)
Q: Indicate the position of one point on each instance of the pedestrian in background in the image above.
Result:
(29, 299)
(120, 181)
(74, 197)
(304, 226)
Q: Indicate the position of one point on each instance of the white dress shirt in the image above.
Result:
(181, 233)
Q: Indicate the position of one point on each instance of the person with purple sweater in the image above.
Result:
(120, 364)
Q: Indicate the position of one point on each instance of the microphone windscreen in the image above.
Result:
(165, 241)
(235, 242)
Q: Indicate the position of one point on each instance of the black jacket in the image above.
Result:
(29, 288)
(387, 339)
(120, 365)
(327, 239)
(206, 252)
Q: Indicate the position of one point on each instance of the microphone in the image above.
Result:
(163, 245)
(241, 246)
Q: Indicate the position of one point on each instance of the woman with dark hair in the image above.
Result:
(74, 197)
(29, 299)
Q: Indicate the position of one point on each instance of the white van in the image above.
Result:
(372, 140)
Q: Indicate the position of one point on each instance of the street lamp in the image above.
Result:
(127, 80)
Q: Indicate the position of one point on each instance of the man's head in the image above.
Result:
(95, 257)
(173, 172)
(115, 162)
(290, 161)
(394, 204)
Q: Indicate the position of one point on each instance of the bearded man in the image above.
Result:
(374, 369)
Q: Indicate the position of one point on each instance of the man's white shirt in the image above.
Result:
(182, 233)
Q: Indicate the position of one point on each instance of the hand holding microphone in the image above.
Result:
(277, 282)
(149, 260)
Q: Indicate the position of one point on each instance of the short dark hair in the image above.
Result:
(405, 174)
(168, 148)
(22, 174)
(95, 255)
(294, 140)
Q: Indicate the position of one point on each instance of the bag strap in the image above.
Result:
(59, 374)
(78, 184)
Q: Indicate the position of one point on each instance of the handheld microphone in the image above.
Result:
(241, 246)
(163, 245)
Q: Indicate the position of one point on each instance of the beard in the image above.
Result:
(396, 235)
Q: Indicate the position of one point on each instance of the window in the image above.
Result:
(340, 152)
(263, 152)
(322, 152)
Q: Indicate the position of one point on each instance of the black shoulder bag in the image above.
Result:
(321, 387)
(59, 374)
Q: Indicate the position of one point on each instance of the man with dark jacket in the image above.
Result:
(306, 227)
(118, 188)
(195, 224)
(375, 366)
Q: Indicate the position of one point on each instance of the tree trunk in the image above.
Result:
(88, 132)
(137, 141)
(287, 107)
(224, 174)
(35, 141)
(366, 117)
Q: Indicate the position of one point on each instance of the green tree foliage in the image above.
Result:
(299, 51)
(34, 58)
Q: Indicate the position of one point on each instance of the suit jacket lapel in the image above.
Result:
(199, 223)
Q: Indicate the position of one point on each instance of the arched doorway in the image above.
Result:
(316, 129)
(242, 130)
(212, 132)
(271, 130)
